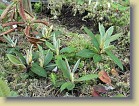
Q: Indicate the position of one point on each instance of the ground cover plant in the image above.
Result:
(75, 48)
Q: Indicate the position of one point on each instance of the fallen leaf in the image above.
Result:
(103, 76)
(114, 72)
(95, 94)
(99, 88)
(34, 40)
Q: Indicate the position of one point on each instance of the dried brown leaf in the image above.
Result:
(34, 40)
(103, 76)
(95, 94)
(99, 88)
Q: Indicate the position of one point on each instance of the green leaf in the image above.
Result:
(113, 37)
(38, 70)
(20, 56)
(87, 77)
(56, 33)
(108, 33)
(67, 50)
(97, 58)
(76, 66)
(67, 85)
(111, 47)
(115, 59)
(53, 78)
(94, 40)
(4, 89)
(98, 37)
(63, 67)
(101, 30)
(50, 46)
(14, 59)
(85, 53)
(67, 64)
(48, 57)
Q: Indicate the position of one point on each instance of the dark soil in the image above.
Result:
(68, 19)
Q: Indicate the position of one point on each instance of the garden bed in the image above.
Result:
(69, 28)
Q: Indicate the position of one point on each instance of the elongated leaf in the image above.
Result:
(53, 78)
(67, 50)
(48, 57)
(76, 66)
(49, 45)
(4, 89)
(94, 40)
(111, 47)
(67, 85)
(20, 56)
(115, 59)
(111, 39)
(38, 70)
(86, 53)
(101, 30)
(87, 77)
(63, 67)
(14, 59)
(108, 33)
(67, 64)
(97, 58)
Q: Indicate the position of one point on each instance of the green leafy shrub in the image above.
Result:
(68, 73)
(38, 7)
(101, 45)
(35, 61)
